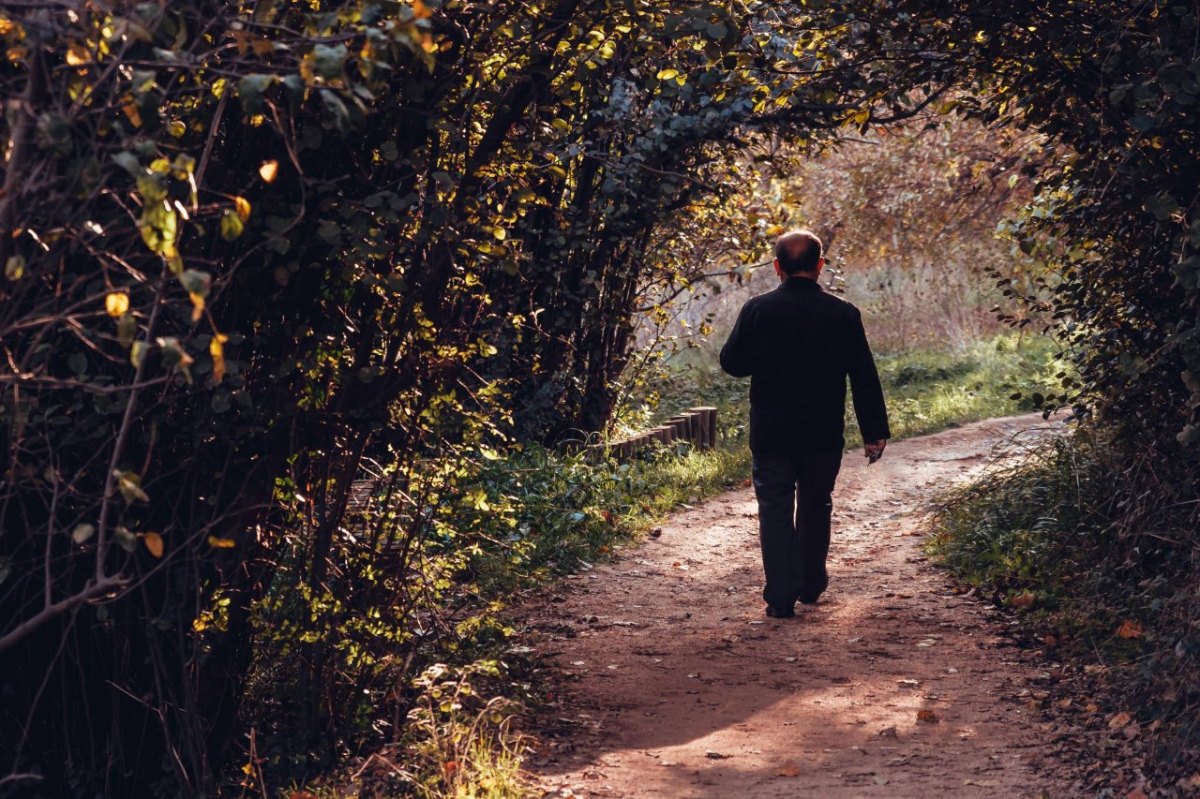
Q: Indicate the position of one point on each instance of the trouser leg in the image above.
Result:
(816, 474)
(775, 488)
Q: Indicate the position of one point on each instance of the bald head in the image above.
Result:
(799, 251)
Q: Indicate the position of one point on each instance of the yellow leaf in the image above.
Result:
(116, 303)
(420, 10)
(130, 486)
(197, 305)
(667, 74)
(790, 768)
(500, 233)
(131, 111)
(268, 171)
(241, 207)
(77, 54)
(137, 352)
(221, 543)
(154, 544)
(216, 348)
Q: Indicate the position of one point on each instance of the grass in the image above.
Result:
(926, 390)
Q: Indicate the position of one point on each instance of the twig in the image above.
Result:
(93, 589)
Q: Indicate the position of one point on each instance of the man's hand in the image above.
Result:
(874, 450)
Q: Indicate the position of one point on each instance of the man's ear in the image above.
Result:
(778, 268)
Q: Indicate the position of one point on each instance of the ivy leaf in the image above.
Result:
(250, 91)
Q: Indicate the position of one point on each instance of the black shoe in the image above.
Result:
(810, 599)
(780, 613)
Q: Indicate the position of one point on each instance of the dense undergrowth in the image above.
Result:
(1093, 548)
(538, 514)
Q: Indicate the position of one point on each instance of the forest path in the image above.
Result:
(674, 684)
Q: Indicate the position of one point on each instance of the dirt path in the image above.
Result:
(676, 685)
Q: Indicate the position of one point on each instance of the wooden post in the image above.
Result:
(675, 422)
(708, 415)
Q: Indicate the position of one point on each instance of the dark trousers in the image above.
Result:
(794, 509)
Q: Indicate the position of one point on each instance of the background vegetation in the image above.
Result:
(291, 289)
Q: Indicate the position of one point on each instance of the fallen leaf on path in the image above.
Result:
(881, 780)
(1136, 793)
(927, 717)
(789, 769)
(716, 756)
(888, 732)
(1022, 600)
(1121, 719)
(1129, 629)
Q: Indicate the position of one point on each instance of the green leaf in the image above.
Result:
(126, 539)
(327, 61)
(129, 162)
(231, 225)
(138, 352)
(196, 282)
(250, 91)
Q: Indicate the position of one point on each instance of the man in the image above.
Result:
(798, 344)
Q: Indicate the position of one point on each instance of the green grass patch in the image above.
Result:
(1091, 544)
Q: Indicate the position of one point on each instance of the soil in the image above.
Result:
(671, 682)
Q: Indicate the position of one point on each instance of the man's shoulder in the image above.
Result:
(829, 303)
(843, 305)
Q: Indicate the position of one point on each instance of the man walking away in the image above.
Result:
(798, 344)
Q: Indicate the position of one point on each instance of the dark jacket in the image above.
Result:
(797, 344)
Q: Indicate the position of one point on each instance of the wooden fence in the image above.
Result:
(698, 426)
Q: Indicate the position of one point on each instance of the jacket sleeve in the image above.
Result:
(737, 356)
(869, 406)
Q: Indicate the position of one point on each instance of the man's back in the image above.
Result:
(798, 344)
